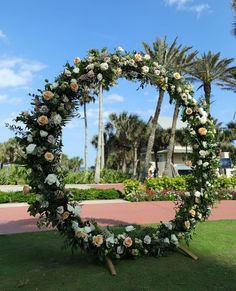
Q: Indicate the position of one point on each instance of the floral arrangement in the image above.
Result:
(41, 139)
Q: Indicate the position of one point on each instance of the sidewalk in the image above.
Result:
(15, 219)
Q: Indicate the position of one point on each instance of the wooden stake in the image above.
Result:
(187, 252)
(110, 266)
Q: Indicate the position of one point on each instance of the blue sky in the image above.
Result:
(38, 37)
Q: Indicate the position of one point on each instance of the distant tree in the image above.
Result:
(11, 152)
(71, 164)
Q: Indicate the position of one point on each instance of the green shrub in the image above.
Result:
(82, 177)
(163, 183)
(8, 197)
(13, 175)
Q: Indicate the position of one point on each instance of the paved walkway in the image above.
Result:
(15, 219)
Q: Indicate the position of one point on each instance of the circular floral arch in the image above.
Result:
(41, 138)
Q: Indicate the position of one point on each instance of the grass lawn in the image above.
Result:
(35, 261)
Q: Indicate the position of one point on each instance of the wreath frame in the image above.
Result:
(41, 139)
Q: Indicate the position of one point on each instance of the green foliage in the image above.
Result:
(13, 175)
(82, 177)
(113, 176)
(161, 183)
(78, 195)
(227, 183)
(92, 194)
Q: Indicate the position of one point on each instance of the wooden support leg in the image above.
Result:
(187, 252)
(110, 266)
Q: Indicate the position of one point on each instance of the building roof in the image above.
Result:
(166, 122)
(178, 149)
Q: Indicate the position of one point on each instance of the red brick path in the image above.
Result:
(17, 220)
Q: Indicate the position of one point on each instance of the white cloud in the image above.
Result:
(4, 99)
(188, 5)
(9, 120)
(16, 72)
(2, 35)
(114, 98)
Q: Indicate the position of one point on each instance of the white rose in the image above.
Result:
(199, 162)
(157, 72)
(197, 194)
(104, 66)
(199, 215)
(30, 138)
(120, 250)
(120, 49)
(202, 153)
(129, 228)
(179, 90)
(77, 210)
(90, 67)
(145, 69)
(147, 57)
(110, 241)
(67, 72)
(173, 238)
(187, 194)
(74, 224)
(155, 64)
(76, 70)
(30, 148)
(60, 209)
(43, 133)
(205, 164)
(166, 240)
(73, 81)
(168, 225)
(54, 85)
(57, 119)
(99, 77)
(87, 229)
(51, 139)
(204, 143)
(203, 119)
(147, 239)
(52, 179)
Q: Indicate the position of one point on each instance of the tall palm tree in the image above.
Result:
(100, 151)
(83, 102)
(170, 57)
(234, 23)
(208, 69)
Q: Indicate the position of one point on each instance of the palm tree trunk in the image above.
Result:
(85, 138)
(152, 135)
(135, 162)
(99, 149)
(124, 164)
(102, 148)
(168, 169)
(207, 91)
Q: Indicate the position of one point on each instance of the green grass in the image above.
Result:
(35, 261)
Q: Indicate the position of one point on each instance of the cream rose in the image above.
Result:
(42, 120)
(177, 76)
(138, 57)
(76, 70)
(49, 156)
(98, 240)
(145, 69)
(192, 212)
(188, 111)
(74, 86)
(104, 66)
(187, 224)
(48, 95)
(128, 242)
(77, 60)
(202, 131)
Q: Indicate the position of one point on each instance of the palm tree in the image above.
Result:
(208, 69)
(169, 56)
(83, 102)
(234, 23)
(100, 151)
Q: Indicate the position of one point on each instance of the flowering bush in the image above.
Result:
(41, 139)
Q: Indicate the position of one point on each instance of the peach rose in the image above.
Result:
(49, 156)
(80, 234)
(128, 242)
(177, 76)
(74, 86)
(187, 224)
(65, 215)
(192, 212)
(98, 240)
(48, 95)
(188, 111)
(42, 120)
(202, 131)
(77, 60)
(26, 189)
(189, 163)
(138, 57)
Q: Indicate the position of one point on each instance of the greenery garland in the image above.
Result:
(41, 138)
